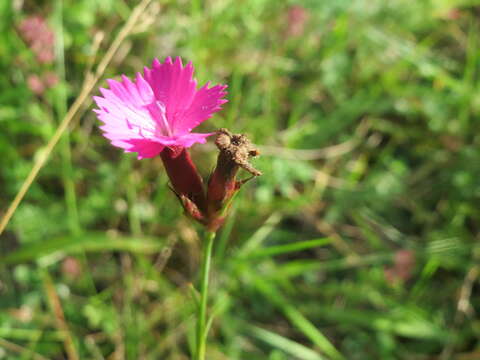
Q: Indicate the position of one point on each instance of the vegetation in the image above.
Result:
(359, 242)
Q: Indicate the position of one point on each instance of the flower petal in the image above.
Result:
(188, 140)
(207, 101)
(126, 120)
(186, 107)
(157, 110)
(144, 148)
(173, 86)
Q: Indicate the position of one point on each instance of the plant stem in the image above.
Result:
(202, 310)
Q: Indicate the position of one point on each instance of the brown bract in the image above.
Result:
(236, 150)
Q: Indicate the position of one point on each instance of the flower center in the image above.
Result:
(158, 113)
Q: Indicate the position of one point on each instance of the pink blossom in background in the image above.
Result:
(38, 35)
(297, 17)
(403, 265)
(71, 267)
(157, 109)
(50, 79)
(38, 84)
(35, 84)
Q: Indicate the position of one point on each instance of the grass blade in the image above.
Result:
(90, 242)
(298, 351)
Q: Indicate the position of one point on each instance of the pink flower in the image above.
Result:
(158, 109)
(35, 84)
(40, 38)
(297, 17)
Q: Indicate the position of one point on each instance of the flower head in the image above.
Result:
(158, 109)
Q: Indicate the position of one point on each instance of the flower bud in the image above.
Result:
(235, 151)
(185, 179)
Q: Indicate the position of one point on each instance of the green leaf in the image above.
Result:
(298, 351)
(89, 242)
(289, 248)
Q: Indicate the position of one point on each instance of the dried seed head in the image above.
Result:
(237, 148)
(235, 151)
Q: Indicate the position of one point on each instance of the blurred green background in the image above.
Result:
(359, 242)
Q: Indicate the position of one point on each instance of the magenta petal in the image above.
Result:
(145, 148)
(124, 116)
(158, 109)
(192, 138)
(174, 86)
(204, 105)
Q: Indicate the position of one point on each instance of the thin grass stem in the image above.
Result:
(202, 329)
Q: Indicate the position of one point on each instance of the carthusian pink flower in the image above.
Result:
(155, 114)
(158, 109)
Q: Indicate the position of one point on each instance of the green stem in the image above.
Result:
(61, 109)
(202, 310)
